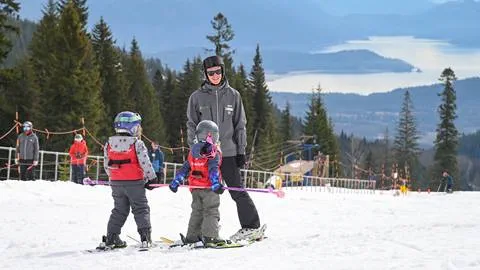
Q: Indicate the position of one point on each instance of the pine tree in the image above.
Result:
(188, 81)
(318, 125)
(387, 158)
(43, 48)
(20, 41)
(369, 165)
(141, 96)
(8, 8)
(405, 145)
(242, 85)
(166, 103)
(223, 33)
(335, 150)
(17, 94)
(158, 82)
(81, 8)
(153, 65)
(74, 89)
(112, 76)
(286, 124)
(446, 142)
(267, 146)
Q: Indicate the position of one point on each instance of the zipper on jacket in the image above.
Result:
(216, 95)
(25, 148)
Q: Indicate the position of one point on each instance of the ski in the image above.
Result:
(101, 248)
(224, 245)
(200, 244)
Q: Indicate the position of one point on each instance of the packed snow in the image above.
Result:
(49, 225)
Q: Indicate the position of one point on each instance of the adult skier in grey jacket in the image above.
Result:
(220, 103)
(27, 152)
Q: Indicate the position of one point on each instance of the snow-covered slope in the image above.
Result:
(46, 225)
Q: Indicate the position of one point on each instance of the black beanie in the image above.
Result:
(213, 61)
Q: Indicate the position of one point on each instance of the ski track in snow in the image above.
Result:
(49, 225)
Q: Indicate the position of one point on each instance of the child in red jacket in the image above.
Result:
(78, 159)
(203, 171)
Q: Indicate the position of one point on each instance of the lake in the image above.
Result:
(430, 56)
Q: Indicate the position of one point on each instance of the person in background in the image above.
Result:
(27, 152)
(448, 180)
(157, 157)
(78, 158)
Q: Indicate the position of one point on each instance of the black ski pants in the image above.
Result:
(246, 210)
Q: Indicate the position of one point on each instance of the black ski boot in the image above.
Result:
(145, 237)
(113, 241)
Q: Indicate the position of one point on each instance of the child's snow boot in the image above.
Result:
(145, 237)
(113, 241)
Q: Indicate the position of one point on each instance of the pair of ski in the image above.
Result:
(199, 244)
(218, 245)
(138, 247)
(141, 246)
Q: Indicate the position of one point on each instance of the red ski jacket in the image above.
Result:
(78, 153)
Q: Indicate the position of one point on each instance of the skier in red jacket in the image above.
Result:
(130, 171)
(203, 171)
(78, 158)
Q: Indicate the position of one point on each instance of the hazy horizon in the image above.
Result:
(428, 55)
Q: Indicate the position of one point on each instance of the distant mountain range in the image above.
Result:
(403, 7)
(370, 115)
(280, 24)
(282, 61)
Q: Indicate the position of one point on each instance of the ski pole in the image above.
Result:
(278, 193)
(30, 167)
(8, 166)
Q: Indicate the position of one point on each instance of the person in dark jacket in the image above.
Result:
(78, 158)
(27, 152)
(129, 170)
(448, 180)
(220, 103)
(156, 157)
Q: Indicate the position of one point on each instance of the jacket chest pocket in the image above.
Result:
(206, 113)
(227, 113)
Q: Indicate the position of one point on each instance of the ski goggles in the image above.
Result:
(213, 72)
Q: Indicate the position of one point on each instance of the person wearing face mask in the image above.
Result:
(217, 101)
(27, 152)
(78, 158)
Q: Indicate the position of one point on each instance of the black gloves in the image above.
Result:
(153, 181)
(240, 158)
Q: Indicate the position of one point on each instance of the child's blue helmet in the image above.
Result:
(128, 122)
